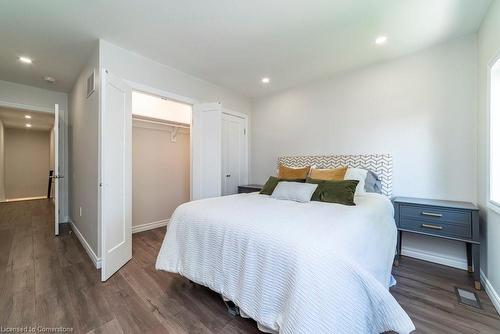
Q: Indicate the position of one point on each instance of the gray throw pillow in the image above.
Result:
(294, 191)
(373, 183)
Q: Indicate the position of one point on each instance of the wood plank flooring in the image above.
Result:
(50, 282)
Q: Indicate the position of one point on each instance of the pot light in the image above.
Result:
(381, 40)
(28, 125)
(27, 116)
(25, 60)
(266, 80)
(49, 79)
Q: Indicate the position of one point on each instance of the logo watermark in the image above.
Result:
(36, 329)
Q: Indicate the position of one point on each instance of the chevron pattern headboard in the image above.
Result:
(380, 164)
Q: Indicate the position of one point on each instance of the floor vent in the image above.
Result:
(468, 298)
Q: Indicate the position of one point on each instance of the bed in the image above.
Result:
(293, 267)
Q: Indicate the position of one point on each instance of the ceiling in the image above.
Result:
(14, 118)
(231, 43)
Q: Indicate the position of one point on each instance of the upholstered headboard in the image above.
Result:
(380, 164)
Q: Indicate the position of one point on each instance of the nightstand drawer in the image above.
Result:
(441, 228)
(436, 214)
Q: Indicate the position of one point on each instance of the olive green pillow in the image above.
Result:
(272, 182)
(341, 192)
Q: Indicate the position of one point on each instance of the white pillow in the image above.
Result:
(294, 191)
(357, 174)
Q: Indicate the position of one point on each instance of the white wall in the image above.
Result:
(83, 154)
(489, 49)
(419, 108)
(26, 163)
(131, 66)
(31, 98)
(160, 172)
(37, 99)
(2, 163)
(84, 121)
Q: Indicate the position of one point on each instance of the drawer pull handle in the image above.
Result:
(432, 214)
(434, 227)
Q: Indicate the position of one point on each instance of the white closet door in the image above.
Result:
(233, 153)
(115, 132)
(206, 150)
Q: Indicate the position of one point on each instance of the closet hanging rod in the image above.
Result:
(177, 125)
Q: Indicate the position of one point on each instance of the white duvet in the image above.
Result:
(293, 267)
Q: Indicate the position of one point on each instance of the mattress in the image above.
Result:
(293, 267)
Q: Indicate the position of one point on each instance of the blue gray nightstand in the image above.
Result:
(441, 219)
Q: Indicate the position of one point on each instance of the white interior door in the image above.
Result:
(206, 150)
(115, 130)
(57, 174)
(234, 162)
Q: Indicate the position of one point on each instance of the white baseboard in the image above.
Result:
(490, 291)
(435, 257)
(96, 260)
(135, 229)
(149, 226)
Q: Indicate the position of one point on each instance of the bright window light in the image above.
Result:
(28, 125)
(154, 107)
(266, 80)
(27, 116)
(494, 140)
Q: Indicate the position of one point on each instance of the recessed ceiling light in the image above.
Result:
(49, 79)
(266, 80)
(381, 40)
(28, 125)
(27, 116)
(25, 60)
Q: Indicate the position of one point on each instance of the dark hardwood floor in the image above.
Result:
(50, 282)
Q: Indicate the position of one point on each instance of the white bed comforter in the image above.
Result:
(293, 267)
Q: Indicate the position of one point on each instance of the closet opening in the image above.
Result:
(160, 159)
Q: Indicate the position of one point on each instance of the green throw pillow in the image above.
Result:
(272, 182)
(341, 192)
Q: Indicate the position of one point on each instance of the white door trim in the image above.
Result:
(56, 175)
(27, 107)
(160, 93)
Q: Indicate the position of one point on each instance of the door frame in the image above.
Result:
(63, 148)
(246, 153)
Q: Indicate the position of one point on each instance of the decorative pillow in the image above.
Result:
(373, 183)
(294, 191)
(272, 182)
(327, 173)
(341, 192)
(357, 174)
(292, 173)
